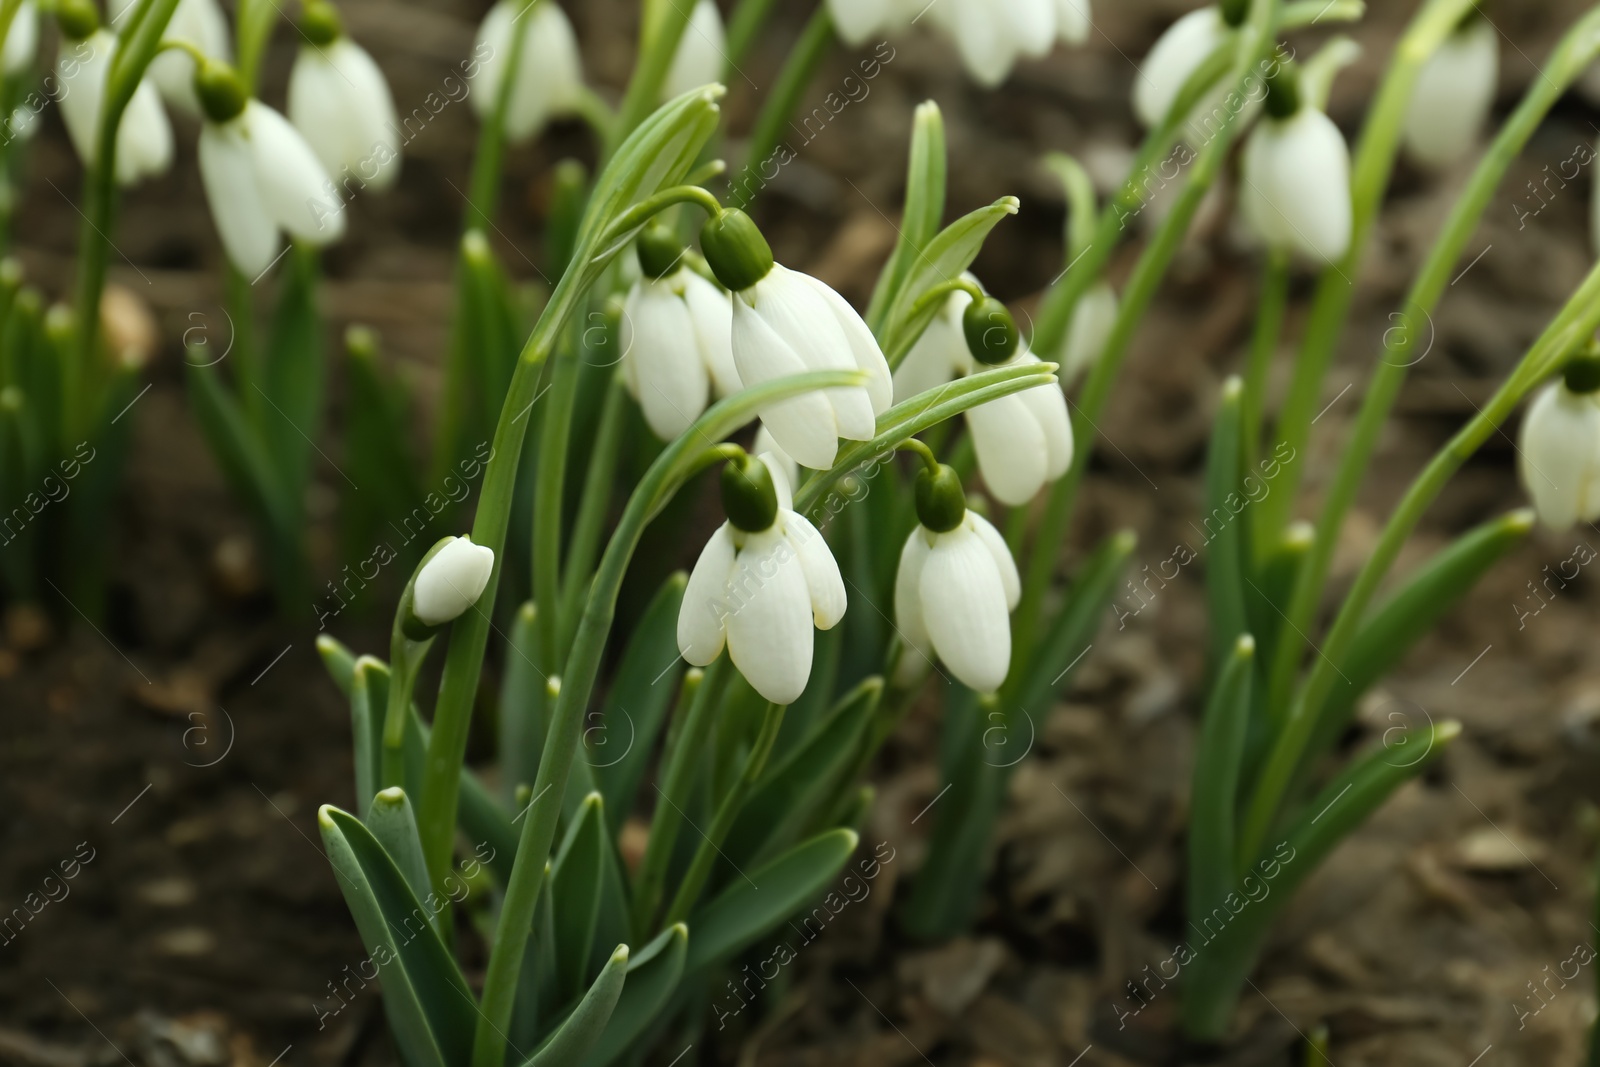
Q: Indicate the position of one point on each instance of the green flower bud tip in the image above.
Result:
(735, 249)
(749, 498)
(77, 19)
(320, 23)
(659, 251)
(1283, 89)
(991, 332)
(1582, 374)
(941, 503)
(222, 95)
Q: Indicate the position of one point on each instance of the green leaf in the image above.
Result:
(293, 369)
(377, 450)
(909, 418)
(523, 705)
(755, 904)
(243, 458)
(653, 976)
(339, 661)
(366, 729)
(785, 798)
(924, 207)
(579, 1032)
(1050, 668)
(1393, 629)
(946, 257)
(575, 894)
(1214, 797)
(393, 823)
(636, 707)
(428, 1002)
(1225, 557)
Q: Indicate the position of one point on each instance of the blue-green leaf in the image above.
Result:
(653, 975)
(580, 1030)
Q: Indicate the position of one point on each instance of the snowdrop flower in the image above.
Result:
(22, 40)
(340, 102)
(199, 23)
(859, 20)
(1023, 440)
(764, 580)
(701, 53)
(786, 323)
(260, 176)
(450, 580)
(1092, 323)
(144, 136)
(991, 35)
(1177, 54)
(1073, 21)
(1559, 448)
(955, 590)
(549, 82)
(676, 338)
(1296, 176)
(1453, 94)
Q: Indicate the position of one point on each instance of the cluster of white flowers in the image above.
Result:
(991, 35)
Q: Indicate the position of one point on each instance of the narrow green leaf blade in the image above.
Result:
(575, 894)
(580, 1031)
(1225, 570)
(946, 257)
(394, 824)
(1213, 808)
(924, 207)
(653, 976)
(750, 907)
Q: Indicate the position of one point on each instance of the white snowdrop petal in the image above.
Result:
(673, 384)
(856, 20)
(82, 70)
(550, 75)
(1176, 56)
(766, 446)
(144, 139)
(701, 51)
(294, 186)
(917, 658)
(925, 367)
(803, 426)
(1011, 448)
(1559, 456)
(1092, 323)
(782, 483)
(1299, 171)
(1010, 580)
(1031, 25)
(1048, 405)
(452, 581)
(1453, 94)
(823, 580)
(1073, 20)
(769, 618)
(987, 50)
(703, 613)
(493, 42)
(228, 172)
(712, 310)
(964, 608)
(22, 39)
(863, 346)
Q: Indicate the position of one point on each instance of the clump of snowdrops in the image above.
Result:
(858, 567)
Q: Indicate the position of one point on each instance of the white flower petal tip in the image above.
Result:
(451, 581)
(1296, 185)
(1453, 95)
(340, 102)
(1559, 456)
(262, 179)
(991, 35)
(760, 595)
(953, 597)
(144, 138)
(677, 349)
(701, 52)
(1174, 58)
(549, 80)
(789, 323)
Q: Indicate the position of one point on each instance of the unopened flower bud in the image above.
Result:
(749, 498)
(941, 502)
(450, 580)
(735, 249)
(990, 330)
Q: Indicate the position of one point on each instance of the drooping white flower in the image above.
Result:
(144, 137)
(549, 82)
(859, 20)
(1177, 54)
(760, 591)
(954, 593)
(451, 581)
(340, 102)
(701, 54)
(1074, 20)
(1454, 92)
(202, 24)
(677, 348)
(22, 40)
(1559, 455)
(787, 323)
(261, 177)
(991, 35)
(1092, 323)
(1295, 189)
(1022, 440)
